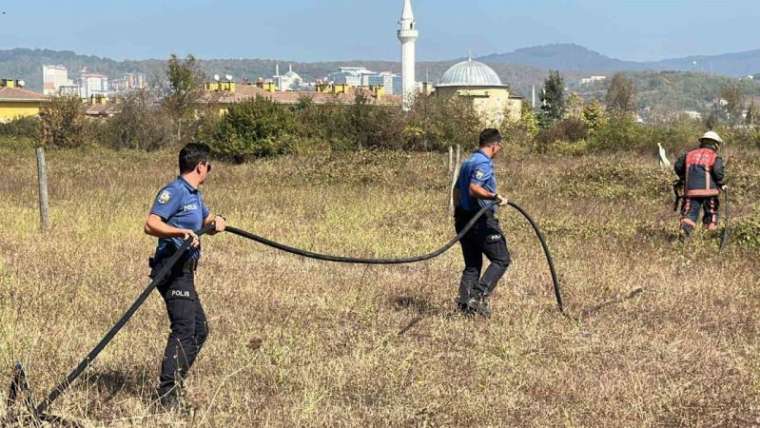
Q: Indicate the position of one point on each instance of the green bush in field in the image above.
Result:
(620, 133)
(24, 127)
(139, 124)
(64, 123)
(371, 126)
(747, 229)
(255, 128)
(435, 123)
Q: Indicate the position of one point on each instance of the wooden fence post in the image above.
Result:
(454, 177)
(43, 189)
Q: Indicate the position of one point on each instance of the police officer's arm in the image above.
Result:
(480, 176)
(218, 222)
(166, 204)
(208, 219)
(156, 226)
(478, 191)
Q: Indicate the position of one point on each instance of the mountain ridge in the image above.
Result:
(573, 57)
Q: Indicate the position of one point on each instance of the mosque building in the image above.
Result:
(289, 81)
(479, 83)
(473, 80)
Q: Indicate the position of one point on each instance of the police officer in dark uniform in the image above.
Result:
(177, 212)
(476, 188)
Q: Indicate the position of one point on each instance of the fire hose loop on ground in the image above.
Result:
(19, 384)
(414, 259)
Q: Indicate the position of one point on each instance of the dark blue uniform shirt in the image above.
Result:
(477, 169)
(180, 205)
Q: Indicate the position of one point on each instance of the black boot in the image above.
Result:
(172, 401)
(465, 296)
(478, 305)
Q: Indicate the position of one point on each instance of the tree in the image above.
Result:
(732, 101)
(185, 89)
(139, 123)
(63, 122)
(552, 99)
(594, 116)
(574, 106)
(753, 116)
(621, 95)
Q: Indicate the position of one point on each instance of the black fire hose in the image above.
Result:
(77, 371)
(407, 260)
(59, 389)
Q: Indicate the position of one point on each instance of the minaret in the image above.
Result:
(408, 34)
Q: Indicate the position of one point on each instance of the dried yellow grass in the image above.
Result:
(664, 335)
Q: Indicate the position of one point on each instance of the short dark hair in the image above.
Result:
(489, 136)
(191, 155)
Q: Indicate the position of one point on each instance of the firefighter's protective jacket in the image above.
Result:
(702, 172)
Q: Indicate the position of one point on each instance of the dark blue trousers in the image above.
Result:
(485, 238)
(189, 328)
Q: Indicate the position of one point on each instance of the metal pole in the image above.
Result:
(43, 189)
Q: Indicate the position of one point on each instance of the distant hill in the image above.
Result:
(690, 89)
(573, 57)
(562, 57)
(672, 91)
(27, 64)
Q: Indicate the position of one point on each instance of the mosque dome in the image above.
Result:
(292, 75)
(470, 73)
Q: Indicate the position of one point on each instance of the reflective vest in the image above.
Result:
(699, 166)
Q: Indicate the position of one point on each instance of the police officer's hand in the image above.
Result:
(187, 234)
(501, 200)
(219, 224)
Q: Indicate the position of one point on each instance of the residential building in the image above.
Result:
(222, 95)
(361, 77)
(351, 76)
(92, 84)
(53, 78)
(17, 102)
(592, 79)
(129, 82)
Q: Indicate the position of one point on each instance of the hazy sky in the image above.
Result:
(315, 30)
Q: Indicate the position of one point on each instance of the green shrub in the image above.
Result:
(64, 123)
(621, 132)
(24, 127)
(746, 231)
(255, 128)
(140, 124)
(435, 123)
(571, 130)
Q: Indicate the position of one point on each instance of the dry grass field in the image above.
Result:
(660, 334)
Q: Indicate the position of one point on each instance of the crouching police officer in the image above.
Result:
(177, 212)
(702, 174)
(476, 188)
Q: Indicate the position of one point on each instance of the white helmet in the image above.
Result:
(712, 136)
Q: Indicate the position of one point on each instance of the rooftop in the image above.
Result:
(246, 92)
(20, 95)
